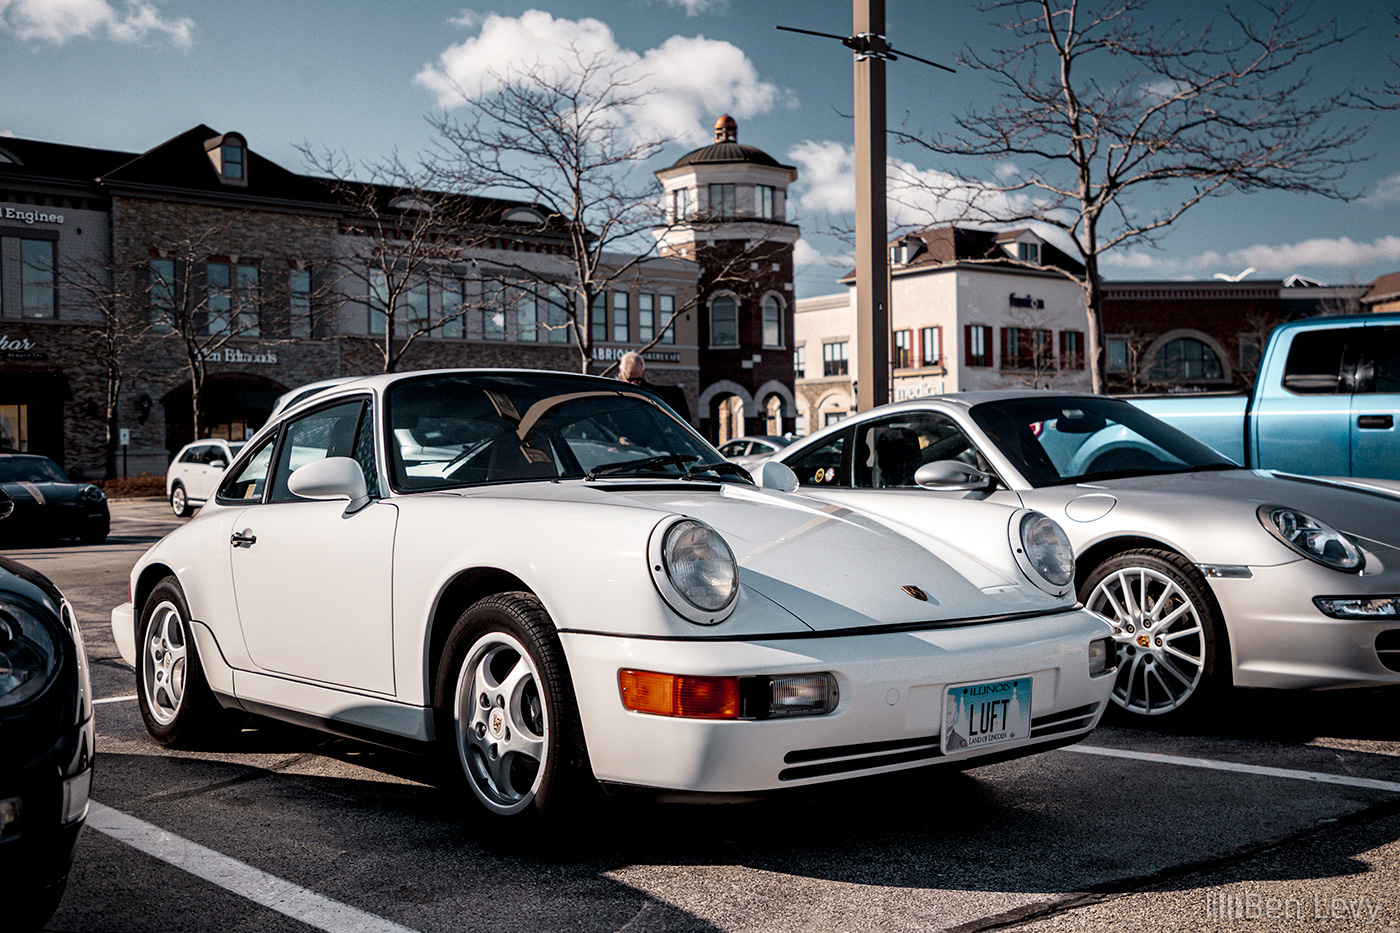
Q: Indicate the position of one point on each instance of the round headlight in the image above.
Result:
(28, 655)
(699, 568)
(91, 493)
(1313, 539)
(1047, 550)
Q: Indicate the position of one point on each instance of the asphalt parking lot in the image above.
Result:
(1283, 813)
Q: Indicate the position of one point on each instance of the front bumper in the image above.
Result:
(1280, 639)
(43, 805)
(888, 719)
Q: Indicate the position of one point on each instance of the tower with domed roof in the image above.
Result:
(726, 208)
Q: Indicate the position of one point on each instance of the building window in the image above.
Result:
(1071, 349)
(598, 319)
(763, 201)
(1028, 252)
(231, 298)
(415, 308)
(556, 314)
(527, 317)
(1027, 348)
(452, 306)
(299, 302)
(646, 318)
(14, 427)
(1116, 351)
(37, 278)
(930, 346)
(378, 302)
(772, 322)
(1251, 349)
(834, 361)
(722, 200)
(680, 204)
(233, 160)
(799, 362)
(666, 307)
(979, 344)
(619, 317)
(1185, 359)
(162, 294)
(903, 345)
(724, 321)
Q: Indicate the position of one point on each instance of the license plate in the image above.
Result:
(977, 716)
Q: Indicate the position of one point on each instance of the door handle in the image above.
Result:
(243, 539)
(1375, 422)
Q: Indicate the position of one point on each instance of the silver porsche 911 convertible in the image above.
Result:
(1212, 575)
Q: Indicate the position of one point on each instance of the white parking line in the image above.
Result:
(113, 700)
(1320, 777)
(242, 879)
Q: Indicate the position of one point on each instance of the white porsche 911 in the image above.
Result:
(552, 581)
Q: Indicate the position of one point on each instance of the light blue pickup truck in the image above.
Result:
(1326, 402)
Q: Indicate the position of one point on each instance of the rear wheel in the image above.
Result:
(506, 712)
(179, 709)
(179, 502)
(1171, 648)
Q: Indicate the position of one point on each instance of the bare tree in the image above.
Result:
(403, 236)
(1106, 117)
(563, 140)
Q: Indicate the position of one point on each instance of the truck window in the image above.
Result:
(1380, 365)
(1314, 364)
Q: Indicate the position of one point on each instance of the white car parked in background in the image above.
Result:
(553, 581)
(196, 471)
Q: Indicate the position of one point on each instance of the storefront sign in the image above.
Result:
(29, 216)
(1034, 304)
(905, 389)
(612, 354)
(235, 355)
(20, 348)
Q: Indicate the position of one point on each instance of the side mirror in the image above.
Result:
(774, 475)
(218, 464)
(331, 478)
(951, 476)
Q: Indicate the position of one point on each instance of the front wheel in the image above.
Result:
(1168, 629)
(179, 502)
(178, 707)
(506, 710)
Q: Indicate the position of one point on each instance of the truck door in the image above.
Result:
(1375, 408)
(1301, 422)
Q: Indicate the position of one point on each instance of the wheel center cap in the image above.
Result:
(1144, 640)
(497, 722)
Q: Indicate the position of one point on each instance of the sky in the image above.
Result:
(362, 77)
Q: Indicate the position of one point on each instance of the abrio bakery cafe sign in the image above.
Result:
(28, 215)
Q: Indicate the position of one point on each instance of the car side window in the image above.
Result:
(364, 451)
(888, 451)
(1380, 366)
(1314, 365)
(328, 432)
(822, 466)
(212, 452)
(192, 455)
(247, 484)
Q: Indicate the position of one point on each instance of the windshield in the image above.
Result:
(1056, 440)
(31, 470)
(467, 429)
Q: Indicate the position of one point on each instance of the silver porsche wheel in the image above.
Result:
(176, 703)
(179, 502)
(163, 659)
(1164, 624)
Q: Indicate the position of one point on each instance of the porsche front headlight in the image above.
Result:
(29, 655)
(1312, 538)
(1045, 553)
(695, 570)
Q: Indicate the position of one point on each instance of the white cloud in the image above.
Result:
(805, 255)
(696, 7)
(687, 82)
(58, 21)
(1267, 259)
(1386, 193)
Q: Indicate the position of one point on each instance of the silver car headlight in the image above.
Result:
(1312, 538)
(29, 655)
(1044, 552)
(695, 570)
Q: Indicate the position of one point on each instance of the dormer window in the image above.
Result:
(1028, 252)
(229, 154)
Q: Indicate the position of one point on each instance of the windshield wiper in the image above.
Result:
(720, 467)
(632, 466)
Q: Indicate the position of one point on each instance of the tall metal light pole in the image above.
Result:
(872, 259)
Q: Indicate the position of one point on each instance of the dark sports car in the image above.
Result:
(48, 505)
(46, 742)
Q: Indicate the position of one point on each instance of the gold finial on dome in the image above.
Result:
(726, 130)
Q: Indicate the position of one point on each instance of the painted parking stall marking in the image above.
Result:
(1320, 777)
(242, 879)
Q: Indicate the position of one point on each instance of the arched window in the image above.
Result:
(1185, 360)
(724, 322)
(772, 321)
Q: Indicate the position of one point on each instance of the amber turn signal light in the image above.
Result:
(679, 695)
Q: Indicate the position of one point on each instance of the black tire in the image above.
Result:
(179, 709)
(33, 910)
(180, 502)
(507, 722)
(96, 535)
(1173, 656)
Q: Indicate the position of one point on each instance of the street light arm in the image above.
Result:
(860, 45)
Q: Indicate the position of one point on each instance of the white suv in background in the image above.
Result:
(195, 473)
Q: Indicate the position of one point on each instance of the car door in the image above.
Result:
(1302, 424)
(1375, 408)
(311, 578)
(205, 476)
